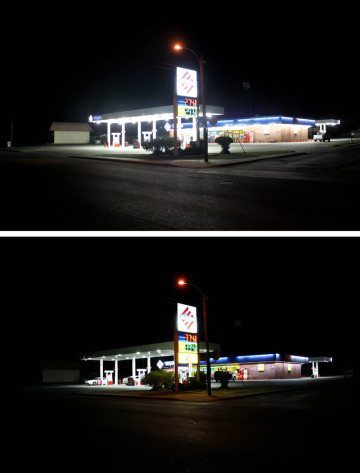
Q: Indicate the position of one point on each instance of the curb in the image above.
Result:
(135, 396)
(181, 165)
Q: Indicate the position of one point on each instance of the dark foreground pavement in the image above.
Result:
(315, 191)
(301, 430)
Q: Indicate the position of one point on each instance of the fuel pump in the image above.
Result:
(109, 376)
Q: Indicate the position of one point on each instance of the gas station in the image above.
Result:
(185, 351)
(242, 367)
(157, 118)
(142, 352)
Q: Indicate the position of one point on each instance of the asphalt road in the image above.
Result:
(316, 191)
(302, 430)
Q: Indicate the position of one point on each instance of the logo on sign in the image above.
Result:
(186, 82)
(187, 320)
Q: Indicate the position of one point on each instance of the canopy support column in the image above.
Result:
(133, 366)
(116, 373)
(101, 370)
(108, 133)
(123, 135)
(139, 132)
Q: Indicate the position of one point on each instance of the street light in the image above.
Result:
(179, 47)
(182, 282)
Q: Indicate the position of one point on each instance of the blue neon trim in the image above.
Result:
(270, 357)
(258, 121)
(299, 359)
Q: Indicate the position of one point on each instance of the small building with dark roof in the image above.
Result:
(66, 133)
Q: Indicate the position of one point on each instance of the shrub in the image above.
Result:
(201, 384)
(194, 149)
(160, 379)
(224, 142)
(161, 146)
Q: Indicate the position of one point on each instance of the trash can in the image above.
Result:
(136, 144)
(9, 144)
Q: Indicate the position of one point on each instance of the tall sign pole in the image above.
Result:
(176, 362)
(208, 369)
(186, 103)
(175, 115)
(186, 340)
(202, 82)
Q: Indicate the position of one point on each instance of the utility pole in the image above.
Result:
(206, 330)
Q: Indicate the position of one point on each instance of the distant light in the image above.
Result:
(138, 353)
(181, 282)
(159, 351)
(178, 47)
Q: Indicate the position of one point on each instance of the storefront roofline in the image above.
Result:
(231, 124)
(270, 358)
(153, 350)
(147, 114)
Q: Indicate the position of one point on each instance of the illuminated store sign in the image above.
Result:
(186, 318)
(186, 82)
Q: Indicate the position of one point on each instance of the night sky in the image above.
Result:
(65, 64)
(73, 296)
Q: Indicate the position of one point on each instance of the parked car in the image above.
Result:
(96, 381)
(321, 137)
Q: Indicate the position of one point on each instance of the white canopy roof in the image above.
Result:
(147, 114)
(143, 351)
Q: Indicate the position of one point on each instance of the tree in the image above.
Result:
(224, 142)
(160, 379)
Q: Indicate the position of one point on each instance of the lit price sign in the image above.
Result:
(186, 358)
(187, 107)
(188, 337)
(187, 347)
